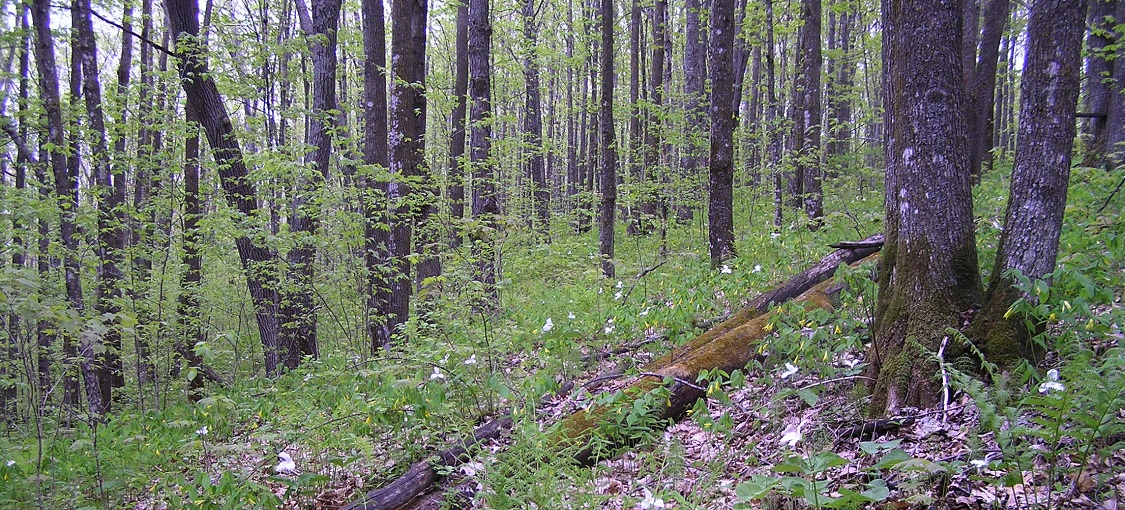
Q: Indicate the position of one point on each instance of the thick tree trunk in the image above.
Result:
(929, 274)
(376, 238)
(1115, 118)
(203, 95)
(1033, 223)
(608, 186)
(720, 211)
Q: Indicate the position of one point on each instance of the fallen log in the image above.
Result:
(728, 346)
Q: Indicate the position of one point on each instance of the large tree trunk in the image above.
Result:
(1115, 113)
(203, 95)
(695, 73)
(1033, 223)
(929, 274)
(376, 239)
(608, 186)
(720, 211)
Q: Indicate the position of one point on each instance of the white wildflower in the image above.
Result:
(547, 326)
(618, 285)
(285, 464)
(757, 268)
(437, 374)
(725, 269)
(202, 431)
(650, 501)
(644, 312)
(979, 463)
(10, 463)
(617, 296)
(790, 369)
(471, 468)
(775, 235)
(570, 316)
(792, 435)
(472, 360)
(1052, 383)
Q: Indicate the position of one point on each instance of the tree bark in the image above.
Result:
(485, 205)
(457, 128)
(533, 124)
(982, 90)
(1099, 68)
(695, 73)
(376, 238)
(806, 121)
(1033, 222)
(929, 274)
(720, 212)
(608, 186)
(66, 194)
(257, 259)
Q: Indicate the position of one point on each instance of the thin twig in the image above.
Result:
(1110, 197)
(644, 374)
(143, 39)
(838, 379)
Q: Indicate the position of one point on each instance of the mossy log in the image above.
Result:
(728, 346)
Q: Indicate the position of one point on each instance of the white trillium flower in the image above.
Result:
(725, 269)
(792, 435)
(472, 360)
(10, 463)
(650, 501)
(547, 326)
(790, 369)
(202, 431)
(775, 235)
(619, 285)
(617, 296)
(609, 329)
(570, 316)
(285, 464)
(644, 312)
(1052, 383)
(979, 463)
(757, 268)
(437, 374)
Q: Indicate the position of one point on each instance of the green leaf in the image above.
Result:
(756, 488)
(892, 459)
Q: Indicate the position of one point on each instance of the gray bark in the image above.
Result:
(720, 212)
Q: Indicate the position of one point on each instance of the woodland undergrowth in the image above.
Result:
(767, 436)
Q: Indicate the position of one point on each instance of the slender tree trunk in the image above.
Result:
(141, 224)
(457, 128)
(982, 90)
(655, 205)
(928, 275)
(203, 96)
(66, 193)
(695, 72)
(720, 213)
(533, 124)
(773, 130)
(838, 98)
(634, 160)
(376, 233)
(485, 205)
(1033, 223)
(608, 186)
(806, 121)
(188, 310)
(1099, 68)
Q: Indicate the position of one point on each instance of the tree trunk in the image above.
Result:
(188, 310)
(1115, 113)
(376, 238)
(141, 225)
(840, 89)
(457, 128)
(241, 192)
(485, 205)
(928, 275)
(695, 73)
(66, 194)
(1099, 68)
(773, 112)
(608, 186)
(806, 121)
(982, 90)
(635, 155)
(533, 124)
(720, 212)
(1033, 223)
